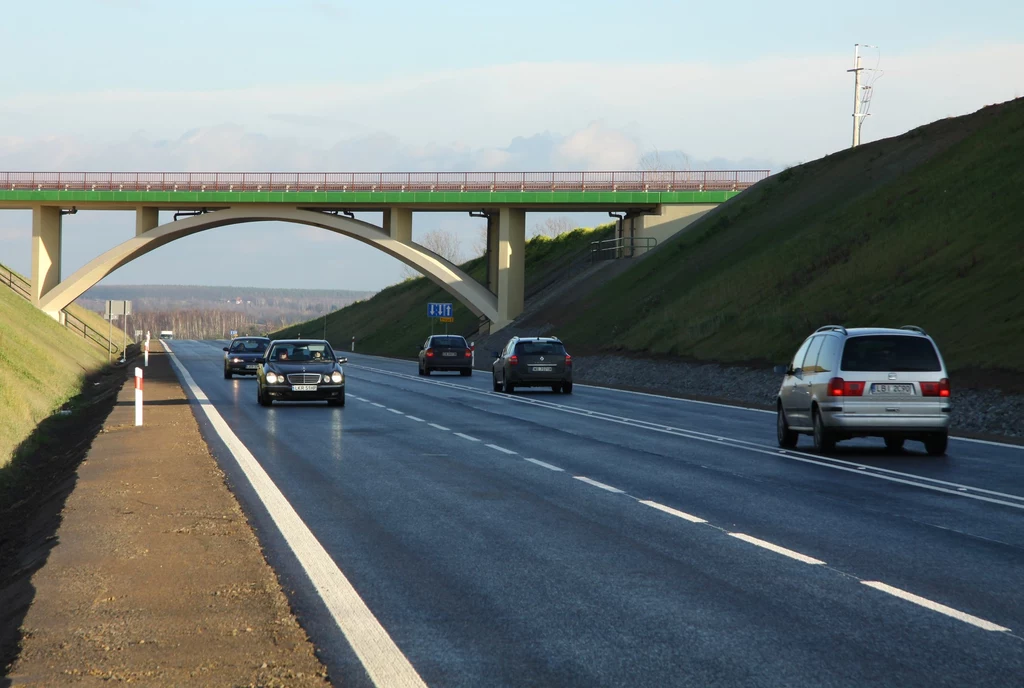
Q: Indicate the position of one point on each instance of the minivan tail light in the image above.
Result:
(935, 389)
(469, 353)
(430, 353)
(513, 360)
(568, 360)
(838, 387)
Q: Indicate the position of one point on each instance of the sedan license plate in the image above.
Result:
(251, 367)
(448, 353)
(892, 389)
(541, 369)
(303, 388)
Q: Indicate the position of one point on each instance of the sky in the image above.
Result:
(322, 85)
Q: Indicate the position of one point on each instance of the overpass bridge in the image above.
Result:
(644, 200)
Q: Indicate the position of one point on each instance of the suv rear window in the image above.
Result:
(449, 341)
(539, 348)
(883, 353)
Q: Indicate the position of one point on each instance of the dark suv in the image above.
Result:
(533, 362)
(446, 352)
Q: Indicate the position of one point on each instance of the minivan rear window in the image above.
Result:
(449, 341)
(883, 353)
(539, 348)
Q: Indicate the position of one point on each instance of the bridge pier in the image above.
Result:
(511, 265)
(492, 252)
(46, 249)
(146, 218)
(397, 222)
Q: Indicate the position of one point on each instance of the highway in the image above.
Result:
(608, 538)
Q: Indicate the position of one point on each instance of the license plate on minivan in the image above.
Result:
(889, 388)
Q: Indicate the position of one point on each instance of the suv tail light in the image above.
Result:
(469, 353)
(430, 353)
(838, 387)
(513, 360)
(568, 361)
(935, 389)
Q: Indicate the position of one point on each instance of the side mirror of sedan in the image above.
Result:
(342, 361)
(781, 370)
(225, 348)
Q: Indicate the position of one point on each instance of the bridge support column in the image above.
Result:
(398, 223)
(46, 246)
(511, 265)
(492, 252)
(146, 218)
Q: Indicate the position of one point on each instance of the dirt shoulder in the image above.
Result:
(156, 576)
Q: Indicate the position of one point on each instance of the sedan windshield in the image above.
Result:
(249, 346)
(312, 352)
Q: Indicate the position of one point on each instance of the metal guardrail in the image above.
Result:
(683, 180)
(622, 247)
(22, 287)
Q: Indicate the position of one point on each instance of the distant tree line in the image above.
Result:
(197, 323)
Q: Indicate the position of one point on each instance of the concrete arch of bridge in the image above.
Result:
(443, 273)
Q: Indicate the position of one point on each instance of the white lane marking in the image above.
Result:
(374, 403)
(778, 550)
(466, 437)
(675, 512)
(501, 449)
(380, 656)
(396, 411)
(546, 465)
(418, 420)
(589, 481)
(439, 427)
(936, 607)
(793, 455)
(990, 442)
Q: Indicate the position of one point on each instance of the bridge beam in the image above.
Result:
(511, 265)
(398, 223)
(146, 218)
(46, 249)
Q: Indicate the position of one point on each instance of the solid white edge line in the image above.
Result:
(675, 512)
(380, 656)
(501, 449)
(778, 550)
(794, 455)
(466, 437)
(936, 607)
(546, 465)
(439, 427)
(396, 411)
(418, 420)
(595, 483)
(374, 403)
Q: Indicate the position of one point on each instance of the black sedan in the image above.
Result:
(300, 370)
(242, 356)
(446, 352)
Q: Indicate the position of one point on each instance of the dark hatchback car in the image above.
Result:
(301, 370)
(533, 362)
(446, 352)
(242, 356)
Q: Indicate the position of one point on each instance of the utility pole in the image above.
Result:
(861, 94)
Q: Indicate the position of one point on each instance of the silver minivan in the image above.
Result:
(865, 382)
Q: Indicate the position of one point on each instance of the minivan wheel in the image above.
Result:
(466, 372)
(787, 438)
(508, 387)
(937, 443)
(567, 388)
(894, 444)
(824, 440)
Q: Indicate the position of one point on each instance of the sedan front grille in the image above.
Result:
(304, 378)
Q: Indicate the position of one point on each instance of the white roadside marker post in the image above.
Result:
(138, 396)
(146, 354)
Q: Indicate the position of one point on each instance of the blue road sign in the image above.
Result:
(439, 310)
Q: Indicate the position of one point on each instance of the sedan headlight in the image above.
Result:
(236, 359)
(337, 377)
(272, 378)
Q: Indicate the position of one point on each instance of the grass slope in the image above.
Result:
(921, 229)
(394, 321)
(42, 366)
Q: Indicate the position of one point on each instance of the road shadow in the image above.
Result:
(34, 487)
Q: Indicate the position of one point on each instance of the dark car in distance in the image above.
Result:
(300, 370)
(241, 357)
(446, 352)
(533, 362)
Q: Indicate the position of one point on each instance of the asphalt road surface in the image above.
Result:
(608, 538)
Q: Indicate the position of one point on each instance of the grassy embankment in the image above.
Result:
(922, 229)
(42, 367)
(394, 321)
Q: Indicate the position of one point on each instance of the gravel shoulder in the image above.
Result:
(156, 576)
